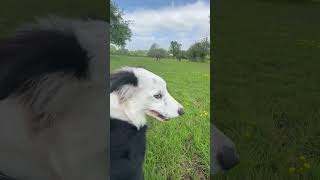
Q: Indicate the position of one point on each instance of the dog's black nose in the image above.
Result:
(228, 157)
(180, 111)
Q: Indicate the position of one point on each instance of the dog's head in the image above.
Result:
(136, 92)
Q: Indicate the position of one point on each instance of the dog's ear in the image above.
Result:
(34, 53)
(123, 83)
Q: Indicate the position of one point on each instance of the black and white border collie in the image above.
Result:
(135, 93)
(53, 99)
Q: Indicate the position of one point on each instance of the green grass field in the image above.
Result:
(178, 149)
(266, 87)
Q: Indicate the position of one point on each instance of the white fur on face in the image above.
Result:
(150, 97)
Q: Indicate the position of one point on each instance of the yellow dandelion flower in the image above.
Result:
(302, 158)
(291, 170)
(307, 165)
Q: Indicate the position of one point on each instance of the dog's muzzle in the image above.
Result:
(180, 111)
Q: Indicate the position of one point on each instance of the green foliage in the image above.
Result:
(152, 49)
(139, 53)
(182, 55)
(121, 51)
(179, 148)
(175, 49)
(265, 96)
(160, 53)
(119, 28)
(126, 52)
(199, 50)
(113, 49)
(156, 52)
(288, 1)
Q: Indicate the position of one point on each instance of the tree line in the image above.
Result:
(120, 33)
(199, 51)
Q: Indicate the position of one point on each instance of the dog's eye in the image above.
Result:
(158, 96)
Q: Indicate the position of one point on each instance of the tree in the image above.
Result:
(182, 55)
(113, 49)
(160, 53)
(157, 52)
(139, 53)
(123, 51)
(199, 50)
(152, 50)
(119, 28)
(206, 46)
(175, 49)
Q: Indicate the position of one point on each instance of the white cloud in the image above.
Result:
(186, 24)
(178, 19)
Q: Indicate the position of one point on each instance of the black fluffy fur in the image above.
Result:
(121, 78)
(5, 177)
(31, 54)
(127, 150)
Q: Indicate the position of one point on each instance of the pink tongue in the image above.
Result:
(158, 115)
(155, 112)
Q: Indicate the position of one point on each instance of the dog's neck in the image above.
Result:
(126, 112)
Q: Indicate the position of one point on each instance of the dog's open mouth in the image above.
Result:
(157, 115)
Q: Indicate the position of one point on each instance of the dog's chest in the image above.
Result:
(127, 150)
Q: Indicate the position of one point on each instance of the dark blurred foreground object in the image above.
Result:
(223, 154)
(53, 100)
(4, 177)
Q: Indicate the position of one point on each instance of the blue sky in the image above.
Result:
(161, 21)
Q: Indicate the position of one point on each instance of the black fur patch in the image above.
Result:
(35, 53)
(127, 145)
(121, 78)
(5, 177)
